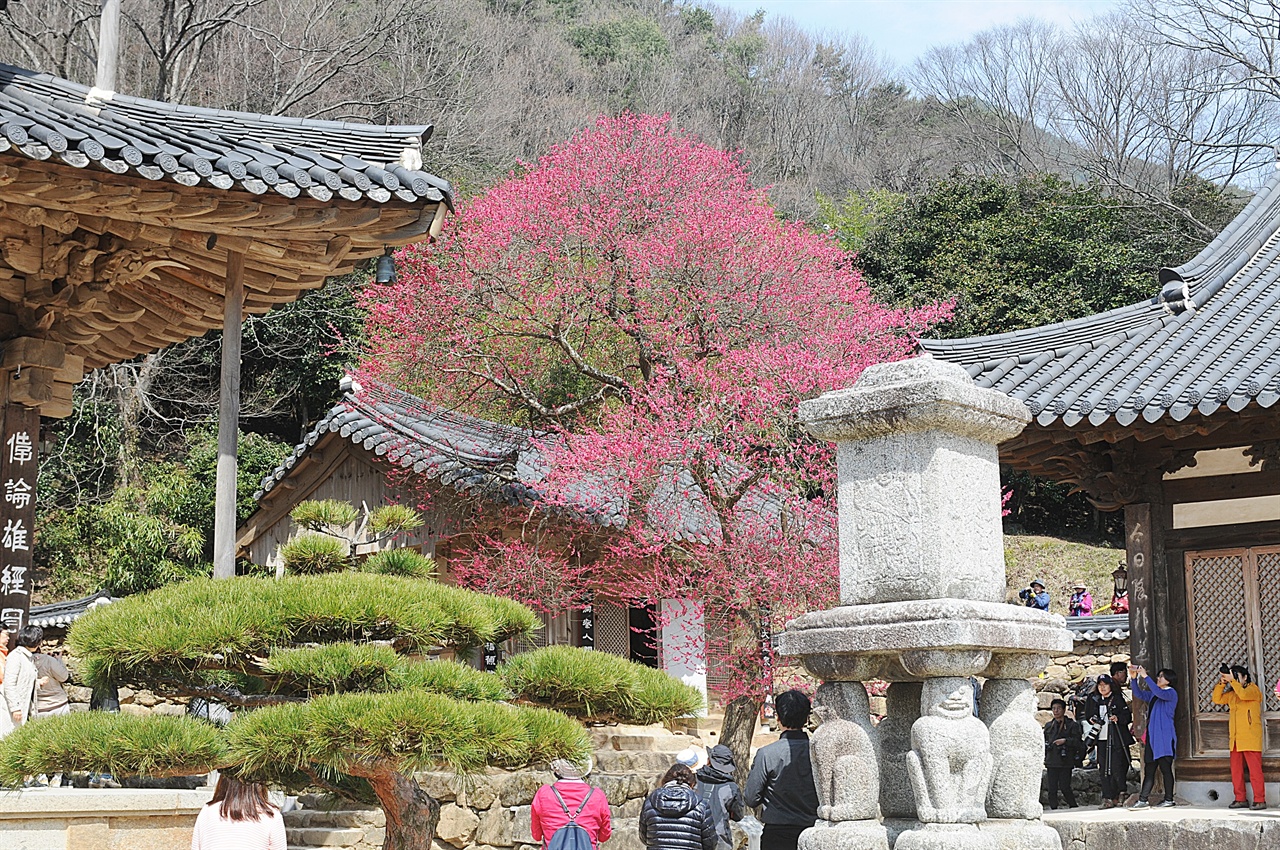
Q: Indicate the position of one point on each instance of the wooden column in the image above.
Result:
(18, 465)
(1138, 551)
(224, 527)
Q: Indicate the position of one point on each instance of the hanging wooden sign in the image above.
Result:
(18, 464)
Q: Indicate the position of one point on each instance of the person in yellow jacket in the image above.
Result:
(1236, 690)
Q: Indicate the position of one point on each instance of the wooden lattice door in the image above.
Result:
(1231, 622)
(613, 633)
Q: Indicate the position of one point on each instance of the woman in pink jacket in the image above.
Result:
(587, 805)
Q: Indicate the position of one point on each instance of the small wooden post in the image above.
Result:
(224, 525)
(108, 46)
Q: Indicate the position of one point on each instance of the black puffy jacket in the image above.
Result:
(675, 818)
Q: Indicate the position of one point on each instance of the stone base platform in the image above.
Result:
(1179, 828)
(107, 819)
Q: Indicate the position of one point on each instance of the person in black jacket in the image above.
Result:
(781, 778)
(1108, 713)
(723, 796)
(674, 817)
(1063, 747)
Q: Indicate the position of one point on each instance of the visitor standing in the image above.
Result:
(781, 777)
(1035, 596)
(723, 796)
(1162, 739)
(567, 799)
(1107, 711)
(1236, 690)
(1119, 675)
(674, 817)
(239, 817)
(1062, 749)
(21, 675)
(1081, 601)
(52, 674)
(6, 719)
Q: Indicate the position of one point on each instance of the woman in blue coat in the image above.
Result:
(1162, 740)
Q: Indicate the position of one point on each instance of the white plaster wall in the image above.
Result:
(684, 643)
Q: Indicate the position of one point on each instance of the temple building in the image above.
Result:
(128, 224)
(1164, 410)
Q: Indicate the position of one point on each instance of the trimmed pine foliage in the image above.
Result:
(598, 686)
(311, 553)
(400, 562)
(122, 744)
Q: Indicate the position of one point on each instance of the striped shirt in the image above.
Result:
(213, 832)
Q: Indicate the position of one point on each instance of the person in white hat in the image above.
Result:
(692, 758)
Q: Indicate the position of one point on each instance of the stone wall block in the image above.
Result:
(439, 785)
(617, 789)
(457, 825)
(626, 836)
(522, 825)
(494, 828)
(518, 789)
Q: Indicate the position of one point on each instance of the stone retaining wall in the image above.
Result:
(91, 819)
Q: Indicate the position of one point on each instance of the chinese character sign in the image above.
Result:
(18, 463)
(587, 627)
(492, 655)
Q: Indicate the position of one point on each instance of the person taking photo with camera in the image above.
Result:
(1236, 690)
(1063, 747)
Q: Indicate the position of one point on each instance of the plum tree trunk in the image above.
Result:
(737, 731)
(412, 814)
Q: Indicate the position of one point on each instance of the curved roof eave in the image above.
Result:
(1204, 342)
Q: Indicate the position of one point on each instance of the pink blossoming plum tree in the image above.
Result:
(636, 302)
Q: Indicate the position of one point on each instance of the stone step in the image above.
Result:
(334, 818)
(327, 836)
(631, 762)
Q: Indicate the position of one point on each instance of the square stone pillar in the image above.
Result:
(919, 481)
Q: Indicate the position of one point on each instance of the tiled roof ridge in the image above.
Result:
(98, 99)
(44, 117)
(1205, 341)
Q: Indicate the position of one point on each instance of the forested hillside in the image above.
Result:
(1031, 174)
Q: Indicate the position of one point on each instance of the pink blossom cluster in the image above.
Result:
(633, 298)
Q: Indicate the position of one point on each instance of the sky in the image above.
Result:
(904, 29)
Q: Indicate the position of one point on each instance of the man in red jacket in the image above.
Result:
(548, 815)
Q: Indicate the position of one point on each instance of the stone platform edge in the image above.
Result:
(94, 802)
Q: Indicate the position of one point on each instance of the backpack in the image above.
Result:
(571, 836)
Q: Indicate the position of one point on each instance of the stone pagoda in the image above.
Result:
(922, 586)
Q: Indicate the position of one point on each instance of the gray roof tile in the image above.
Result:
(1206, 339)
(42, 116)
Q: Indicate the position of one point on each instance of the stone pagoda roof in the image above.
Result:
(1206, 340)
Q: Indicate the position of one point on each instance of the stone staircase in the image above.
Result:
(332, 828)
(492, 813)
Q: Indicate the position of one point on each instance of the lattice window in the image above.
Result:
(1219, 618)
(538, 639)
(613, 632)
(1269, 614)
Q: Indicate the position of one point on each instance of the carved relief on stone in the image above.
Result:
(1017, 748)
(950, 759)
(893, 739)
(844, 754)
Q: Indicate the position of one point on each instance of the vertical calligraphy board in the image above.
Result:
(587, 625)
(18, 463)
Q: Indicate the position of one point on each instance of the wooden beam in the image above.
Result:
(224, 531)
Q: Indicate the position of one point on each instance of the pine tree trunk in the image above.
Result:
(412, 814)
(738, 729)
